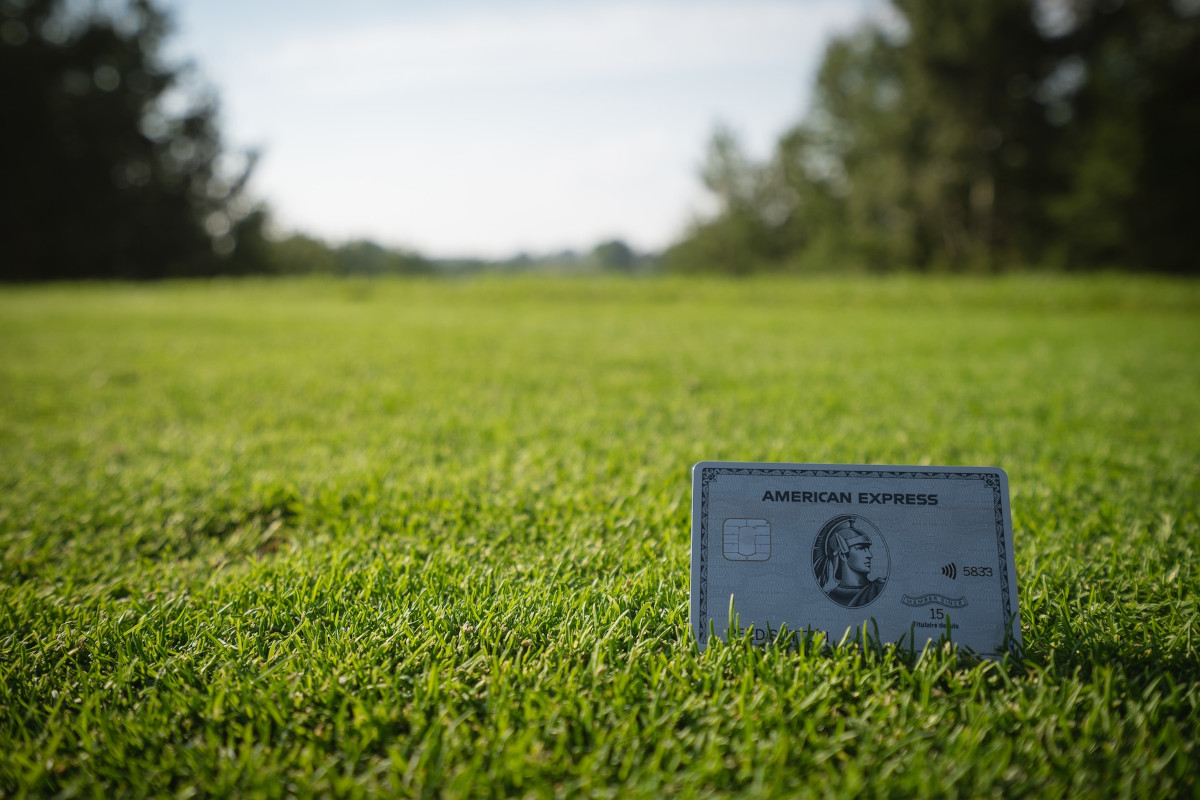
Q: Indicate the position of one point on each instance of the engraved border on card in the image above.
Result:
(990, 479)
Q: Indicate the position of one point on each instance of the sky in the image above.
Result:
(485, 129)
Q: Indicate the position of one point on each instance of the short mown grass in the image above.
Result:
(431, 538)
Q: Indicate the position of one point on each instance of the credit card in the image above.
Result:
(913, 553)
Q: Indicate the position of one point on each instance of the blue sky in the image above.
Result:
(485, 129)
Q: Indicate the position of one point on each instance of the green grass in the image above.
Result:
(432, 538)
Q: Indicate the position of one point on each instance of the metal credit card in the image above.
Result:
(913, 553)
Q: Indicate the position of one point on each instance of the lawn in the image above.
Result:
(431, 538)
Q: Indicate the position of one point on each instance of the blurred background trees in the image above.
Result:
(299, 254)
(113, 162)
(978, 136)
(948, 135)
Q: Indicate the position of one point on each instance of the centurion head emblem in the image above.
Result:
(850, 561)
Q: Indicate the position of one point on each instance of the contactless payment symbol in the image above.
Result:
(747, 540)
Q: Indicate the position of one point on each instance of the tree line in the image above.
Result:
(951, 136)
(977, 136)
(115, 166)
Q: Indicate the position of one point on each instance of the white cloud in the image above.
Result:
(502, 47)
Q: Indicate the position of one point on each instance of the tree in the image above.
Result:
(754, 226)
(101, 178)
(1129, 121)
(362, 257)
(615, 255)
(934, 134)
(978, 135)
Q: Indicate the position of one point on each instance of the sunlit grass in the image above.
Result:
(400, 537)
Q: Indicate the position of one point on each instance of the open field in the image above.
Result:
(422, 538)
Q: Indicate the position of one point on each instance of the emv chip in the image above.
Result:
(747, 540)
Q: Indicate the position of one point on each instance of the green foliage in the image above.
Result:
(430, 538)
(101, 179)
(755, 224)
(978, 136)
(368, 258)
(615, 255)
(298, 254)
(612, 255)
(1130, 133)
